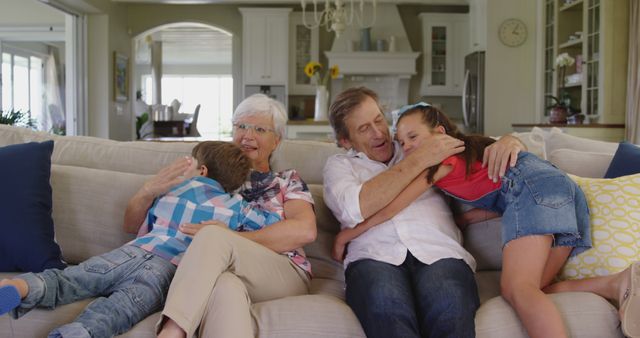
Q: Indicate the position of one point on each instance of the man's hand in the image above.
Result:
(435, 149)
(193, 228)
(338, 250)
(168, 177)
(501, 154)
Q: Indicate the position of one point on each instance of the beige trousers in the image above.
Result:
(219, 277)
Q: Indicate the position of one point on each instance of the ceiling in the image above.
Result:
(267, 2)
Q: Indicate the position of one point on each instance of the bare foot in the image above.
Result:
(21, 285)
(170, 329)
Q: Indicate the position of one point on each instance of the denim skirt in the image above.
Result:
(536, 198)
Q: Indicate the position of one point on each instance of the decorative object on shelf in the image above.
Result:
(392, 43)
(512, 32)
(320, 112)
(365, 39)
(558, 112)
(335, 17)
(562, 103)
(314, 70)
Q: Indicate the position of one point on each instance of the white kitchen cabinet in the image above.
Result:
(265, 46)
(445, 42)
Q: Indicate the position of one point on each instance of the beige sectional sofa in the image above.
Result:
(93, 179)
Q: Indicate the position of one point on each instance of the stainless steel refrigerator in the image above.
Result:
(473, 93)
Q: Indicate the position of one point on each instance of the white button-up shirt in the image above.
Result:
(425, 227)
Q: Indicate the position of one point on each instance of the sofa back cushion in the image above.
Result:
(89, 206)
(307, 157)
(91, 152)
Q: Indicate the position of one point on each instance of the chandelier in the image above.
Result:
(335, 17)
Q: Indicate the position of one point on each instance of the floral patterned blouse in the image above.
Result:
(270, 191)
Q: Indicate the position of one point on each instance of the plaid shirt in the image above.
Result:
(193, 201)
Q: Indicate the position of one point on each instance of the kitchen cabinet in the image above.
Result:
(304, 44)
(265, 46)
(445, 39)
(595, 34)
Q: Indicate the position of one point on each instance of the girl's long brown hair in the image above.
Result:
(474, 145)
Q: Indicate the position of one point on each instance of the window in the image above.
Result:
(23, 84)
(214, 94)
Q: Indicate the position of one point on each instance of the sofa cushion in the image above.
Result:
(92, 152)
(306, 316)
(89, 206)
(584, 314)
(556, 139)
(615, 227)
(581, 163)
(626, 161)
(307, 157)
(27, 241)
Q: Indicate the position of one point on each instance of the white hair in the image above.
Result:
(260, 104)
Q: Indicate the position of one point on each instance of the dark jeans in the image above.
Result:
(413, 299)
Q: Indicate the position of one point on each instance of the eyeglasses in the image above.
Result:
(245, 127)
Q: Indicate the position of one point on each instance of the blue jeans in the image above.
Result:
(130, 284)
(413, 299)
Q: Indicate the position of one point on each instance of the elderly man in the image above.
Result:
(408, 276)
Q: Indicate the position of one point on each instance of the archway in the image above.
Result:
(196, 70)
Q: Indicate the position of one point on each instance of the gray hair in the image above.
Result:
(260, 104)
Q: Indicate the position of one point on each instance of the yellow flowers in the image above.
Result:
(314, 69)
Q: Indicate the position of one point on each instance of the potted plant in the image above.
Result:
(559, 109)
(17, 118)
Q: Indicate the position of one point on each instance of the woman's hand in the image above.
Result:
(339, 248)
(193, 228)
(501, 154)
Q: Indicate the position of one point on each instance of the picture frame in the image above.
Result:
(120, 77)
(304, 47)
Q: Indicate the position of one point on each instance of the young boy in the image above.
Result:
(131, 282)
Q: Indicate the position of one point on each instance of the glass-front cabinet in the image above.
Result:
(445, 42)
(595, 85)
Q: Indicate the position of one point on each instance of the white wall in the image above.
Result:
(510, 87)
(28, 13)
(98, 75)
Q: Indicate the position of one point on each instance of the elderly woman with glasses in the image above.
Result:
(223, 271)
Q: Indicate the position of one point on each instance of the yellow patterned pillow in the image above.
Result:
(614, 205)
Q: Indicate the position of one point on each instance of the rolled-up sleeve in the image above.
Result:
(342, 191)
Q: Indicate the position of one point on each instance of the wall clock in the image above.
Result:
(512, 32)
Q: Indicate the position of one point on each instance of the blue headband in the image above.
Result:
(398, 113)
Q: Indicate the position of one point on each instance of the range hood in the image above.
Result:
(386, 72)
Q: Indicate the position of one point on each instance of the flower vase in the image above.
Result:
(322, 96)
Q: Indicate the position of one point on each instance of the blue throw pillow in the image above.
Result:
(625, 162)
(26, 226)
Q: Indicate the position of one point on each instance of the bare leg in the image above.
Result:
(171, 329)
(21, 285)
(611, 287)
(524, 260)
(557, 257)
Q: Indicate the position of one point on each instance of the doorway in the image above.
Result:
(195, 65)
